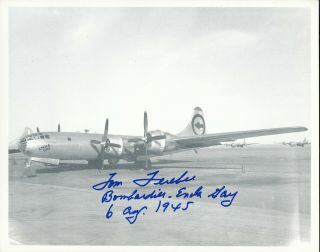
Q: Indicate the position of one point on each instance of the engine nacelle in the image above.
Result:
(113, 151)
(157, 146)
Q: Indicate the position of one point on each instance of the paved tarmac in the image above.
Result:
(59, 207)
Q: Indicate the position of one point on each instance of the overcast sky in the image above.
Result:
(247, 68)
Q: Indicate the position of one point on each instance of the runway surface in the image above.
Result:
(59, 207)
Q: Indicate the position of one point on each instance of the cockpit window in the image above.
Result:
(36, 136)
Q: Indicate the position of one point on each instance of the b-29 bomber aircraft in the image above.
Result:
(240, 145)
(53, 147)
(297, 144)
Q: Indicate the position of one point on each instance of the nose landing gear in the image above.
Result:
(29, 170)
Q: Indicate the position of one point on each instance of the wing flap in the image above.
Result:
(217, 138)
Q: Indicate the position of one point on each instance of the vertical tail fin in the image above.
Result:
(197, 125)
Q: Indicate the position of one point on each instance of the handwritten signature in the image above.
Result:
(188, 196)
(162, 181)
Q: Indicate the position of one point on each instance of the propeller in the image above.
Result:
(148, 138)
(105, 144)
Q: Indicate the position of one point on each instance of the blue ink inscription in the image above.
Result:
(132, 214)
(135, 195)
(162, 181)
(110, 183)
(109, 213)
(174, 201)
(223, 194)
(173, 206)
(197, 193)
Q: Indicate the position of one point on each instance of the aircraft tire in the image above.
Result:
(113, 162)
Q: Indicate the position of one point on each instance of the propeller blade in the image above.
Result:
(95, 142)
(38, 129)
(59, 127)
(145, 123)
(106, 128)
(114, 145)
(159, 137)
(103, 144)
(147, 156)
(101, 154)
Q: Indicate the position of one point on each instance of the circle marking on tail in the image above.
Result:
(198, 125)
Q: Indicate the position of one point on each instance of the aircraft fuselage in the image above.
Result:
(79, 146)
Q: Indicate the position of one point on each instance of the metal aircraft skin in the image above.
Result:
(52, 147)
(297, 144)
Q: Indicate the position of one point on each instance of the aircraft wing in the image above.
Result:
(216, 139)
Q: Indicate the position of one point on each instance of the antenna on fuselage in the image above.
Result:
(38, 129)
(59, 127)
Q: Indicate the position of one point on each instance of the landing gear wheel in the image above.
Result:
(113, 163)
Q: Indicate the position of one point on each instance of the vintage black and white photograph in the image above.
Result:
(152, 126)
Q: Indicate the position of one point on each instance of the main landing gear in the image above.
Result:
(113, 162)
(97, 164)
